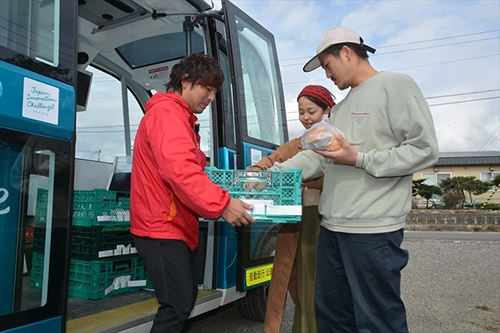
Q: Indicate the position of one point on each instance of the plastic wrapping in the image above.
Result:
(321, 136)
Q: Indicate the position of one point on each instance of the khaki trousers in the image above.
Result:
(283, 278)
(290, 275)
(304, 320)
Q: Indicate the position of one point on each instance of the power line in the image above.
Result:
(450, 95)
(296, 111)
(414, 49)
(467, 101)
(461, 94)
(434, 46)
(93, 127)
(96, 132)
(489, 138)
(414, 42)
(494, 145)
(417, 66)
(444, 62)
(442, 38)
(392, 69)
(494, 142)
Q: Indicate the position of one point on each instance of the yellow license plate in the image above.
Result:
(258, 275)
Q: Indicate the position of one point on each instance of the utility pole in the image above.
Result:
(98, 152)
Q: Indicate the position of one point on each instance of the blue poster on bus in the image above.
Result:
(10, 173)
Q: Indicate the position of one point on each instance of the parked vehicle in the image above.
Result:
(74, 79)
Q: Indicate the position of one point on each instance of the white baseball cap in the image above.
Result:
(334, 36)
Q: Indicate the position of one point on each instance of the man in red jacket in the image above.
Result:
(170, 190)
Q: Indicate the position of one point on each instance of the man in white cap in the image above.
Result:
(367, 193)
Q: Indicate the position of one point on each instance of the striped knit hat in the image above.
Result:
(318, 92)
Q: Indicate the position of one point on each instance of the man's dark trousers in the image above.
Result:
(358, 282)
(173, 271)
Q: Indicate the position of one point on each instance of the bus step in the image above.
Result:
(127, 317)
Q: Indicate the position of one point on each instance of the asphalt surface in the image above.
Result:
(451, 285)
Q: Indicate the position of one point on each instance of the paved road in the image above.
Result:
(451, 285)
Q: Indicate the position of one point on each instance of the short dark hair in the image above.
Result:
(197, 68)
(357, 48)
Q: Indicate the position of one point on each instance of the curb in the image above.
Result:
(453, 221)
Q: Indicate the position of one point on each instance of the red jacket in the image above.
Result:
(169, 189)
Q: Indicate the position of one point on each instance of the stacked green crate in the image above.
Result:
(97, 279)
(100, 207)
(98, 242)
(104, 261)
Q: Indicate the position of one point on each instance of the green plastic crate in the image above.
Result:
(41, 206)
(97, 279)
(278, 188)
(39, 240)
(37, 270)
(98, 207)
(97, 242)
(92, 243)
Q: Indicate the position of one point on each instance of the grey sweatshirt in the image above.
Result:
(388, 122)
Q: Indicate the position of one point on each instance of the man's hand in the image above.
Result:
(236, 214)
(345, 155)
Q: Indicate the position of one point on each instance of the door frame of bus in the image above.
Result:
(244, 248)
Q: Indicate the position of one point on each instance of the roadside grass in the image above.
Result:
(491, 228)
(482, 307)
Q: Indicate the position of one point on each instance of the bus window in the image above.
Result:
(260, 85)
(228, 103)
(35, 32)
(133, 52)
(100, 129)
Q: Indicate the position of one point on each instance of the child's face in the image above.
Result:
(310, 113)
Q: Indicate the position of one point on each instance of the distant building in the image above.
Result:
(484, 165)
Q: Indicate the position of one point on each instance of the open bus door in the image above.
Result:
(260, 127)
(37, 112)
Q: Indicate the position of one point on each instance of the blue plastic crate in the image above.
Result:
(269, 191)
